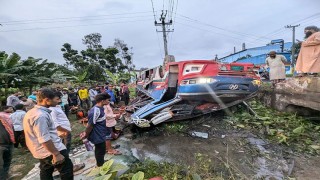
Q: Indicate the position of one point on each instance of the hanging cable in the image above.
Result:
(58, 27)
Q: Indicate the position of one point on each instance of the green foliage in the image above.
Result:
(106, 167)
(284, 128)
(9, 67)
(152, 169)
(95, 59)
(107, 171)
(115, 58)
(138, 176)
(176, 127)
(116, 78)
(203, 168)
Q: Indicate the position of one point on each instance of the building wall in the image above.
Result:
(257, 51)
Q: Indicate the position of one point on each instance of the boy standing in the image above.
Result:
(96, 131)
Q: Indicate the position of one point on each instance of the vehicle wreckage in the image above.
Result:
(187, 89)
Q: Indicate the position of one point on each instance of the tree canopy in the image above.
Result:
(96, 58)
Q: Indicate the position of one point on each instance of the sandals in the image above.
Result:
(114, 152)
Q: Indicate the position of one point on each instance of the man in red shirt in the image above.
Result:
(6, 145)
(125, 93)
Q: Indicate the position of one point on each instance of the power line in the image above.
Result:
(162, 4)
(241, 40)
(173, 25)
(73, 20)
(280, 30)
(74, 17)
(58, 27)
(220, 28)
(301, 20)
(155, 21)
(154, 14)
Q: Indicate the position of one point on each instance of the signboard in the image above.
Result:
(237, 68)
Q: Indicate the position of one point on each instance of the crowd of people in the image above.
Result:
(40, 124)
(308, 62)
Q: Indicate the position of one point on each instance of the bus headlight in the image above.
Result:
(204, 80)
(256, 82)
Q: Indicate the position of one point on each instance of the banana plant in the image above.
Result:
(118, 77)
(9, 68)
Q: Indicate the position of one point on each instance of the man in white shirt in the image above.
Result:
(13, 99)
(42, 138)
(92, 93)
(61, 122)
(17, 119)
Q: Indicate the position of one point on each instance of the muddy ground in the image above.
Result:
(244, 154)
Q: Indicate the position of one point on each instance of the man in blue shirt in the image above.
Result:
(33, 96)
(111, 93)
(97, 131)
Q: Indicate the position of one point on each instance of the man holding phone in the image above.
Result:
(42, 138)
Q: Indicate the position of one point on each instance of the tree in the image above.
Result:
(72, 57)
(125, 54)
(92, 41)
(40, 73)
(95, 58)
(9, 68)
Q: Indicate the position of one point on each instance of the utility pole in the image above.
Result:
(293, 49)
(163, 23)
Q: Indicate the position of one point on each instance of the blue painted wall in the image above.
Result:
(257, 55)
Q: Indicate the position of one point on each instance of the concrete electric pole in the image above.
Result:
(293, 49)
(163, 23)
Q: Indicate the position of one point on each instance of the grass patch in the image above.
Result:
(22, 162)
(283, 128)
(203, 168)
(76, 128)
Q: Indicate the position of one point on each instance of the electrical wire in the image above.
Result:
(173, 26)
(154, 15)
(58, 27)
(73, 20)
(220, 28)
(74, 17)
(236, 38)
(281, 30)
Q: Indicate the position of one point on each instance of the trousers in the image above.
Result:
(99, 152)
(65, 169)
(5, 160)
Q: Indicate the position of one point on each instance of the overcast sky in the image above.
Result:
(202, 28)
